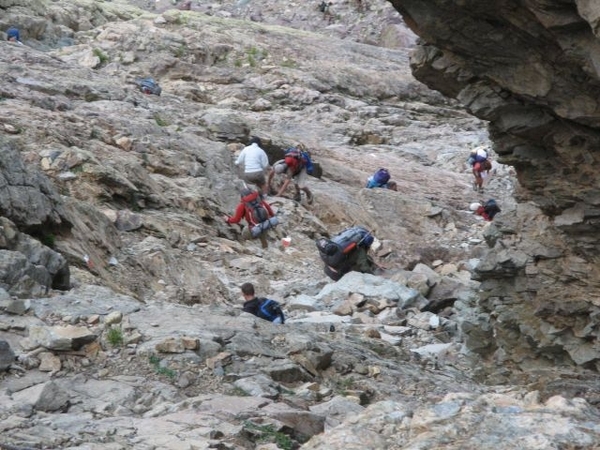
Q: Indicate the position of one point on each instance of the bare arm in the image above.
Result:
(284, 186)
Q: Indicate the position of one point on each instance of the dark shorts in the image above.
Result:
(257, 178)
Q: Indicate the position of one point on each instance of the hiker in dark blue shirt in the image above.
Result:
(261, 307)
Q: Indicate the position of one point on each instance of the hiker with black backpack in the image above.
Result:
(488, 210)
(258, 214)
(296, 166)
(347, 251)
(264, 308)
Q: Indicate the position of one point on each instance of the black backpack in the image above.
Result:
(335, 251)
(270, 310)
(149, 86)
(491, 208)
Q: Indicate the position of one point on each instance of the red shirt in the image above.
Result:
(242, 212)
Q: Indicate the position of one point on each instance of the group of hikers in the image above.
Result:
(253, 163)
(346, 251)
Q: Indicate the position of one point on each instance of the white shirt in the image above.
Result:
(253, 158)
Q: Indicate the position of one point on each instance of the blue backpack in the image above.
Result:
(303, 157)
(149, 86)
(379, 178)
(270, 310)
(13, 33)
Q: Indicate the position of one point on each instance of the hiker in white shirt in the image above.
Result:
(255, 163)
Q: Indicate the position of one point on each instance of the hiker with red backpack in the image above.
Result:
(488, 210)
(258, 214)
(296, 166)
(481, 166)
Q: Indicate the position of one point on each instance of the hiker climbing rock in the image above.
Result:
(481, 166)
(258, 214)
(264, 308)
(254, 162)
(346, 252)
(488, 210)
(296, 166)
(381, 179)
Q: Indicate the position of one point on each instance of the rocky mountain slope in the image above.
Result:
(529, 68)
(120, 322)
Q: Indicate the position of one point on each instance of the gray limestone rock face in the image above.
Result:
(149, 349)
(7, 356)
(544, 122)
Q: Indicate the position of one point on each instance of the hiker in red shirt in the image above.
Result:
(258, 214)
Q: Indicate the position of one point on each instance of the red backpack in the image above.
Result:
(256, 211)
(294, 160)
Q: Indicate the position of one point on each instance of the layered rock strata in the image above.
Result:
(530, 68)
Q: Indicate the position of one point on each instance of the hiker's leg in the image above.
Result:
(363, 262)
(246, 235)
(263, 240)
(478, 178)
(301, 181)
(298, 195)
(309, 196)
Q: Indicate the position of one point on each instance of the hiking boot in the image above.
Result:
(480, 189)
(309, 197)
(475, 186)
(298, 197)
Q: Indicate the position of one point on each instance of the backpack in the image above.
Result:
(335, 251)
(381, 177)
(270, 310)
(491, 208)
(149, 86)
(13, 33)
(259, 216)
(297, 159)
(257, 212)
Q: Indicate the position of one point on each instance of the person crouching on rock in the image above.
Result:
(258, 214)
(346, 252)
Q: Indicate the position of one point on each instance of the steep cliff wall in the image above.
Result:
(532, 69)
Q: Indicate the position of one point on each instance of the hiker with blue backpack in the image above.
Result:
(258, 214)
(296, 166)
(346, 252)
(480, 165)
(264, 308)
(381, 179)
